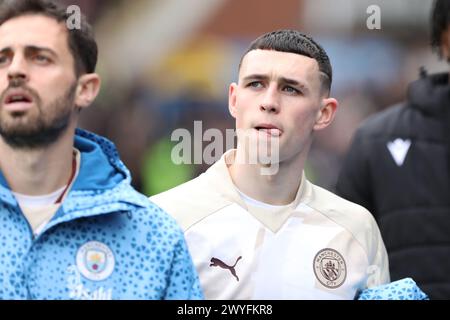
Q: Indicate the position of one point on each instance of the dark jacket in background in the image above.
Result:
(398, 168)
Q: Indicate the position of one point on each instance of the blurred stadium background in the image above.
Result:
(167, 63)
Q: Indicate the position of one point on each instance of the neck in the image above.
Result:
(38, 171)
(279, 188)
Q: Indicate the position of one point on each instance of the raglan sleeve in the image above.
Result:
(378, 269)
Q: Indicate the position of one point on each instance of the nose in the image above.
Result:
(17, 70)
(270, 101)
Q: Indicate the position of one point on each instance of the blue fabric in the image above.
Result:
(404, 289)
(97, 152)
(107, 241)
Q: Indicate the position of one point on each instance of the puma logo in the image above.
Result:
(219, 263)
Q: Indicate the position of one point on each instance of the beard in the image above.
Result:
(34, 131)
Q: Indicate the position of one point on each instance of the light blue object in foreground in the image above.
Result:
(404, 289)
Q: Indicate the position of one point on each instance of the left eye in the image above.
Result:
(291, 90)
(41, 58)
(255, 84)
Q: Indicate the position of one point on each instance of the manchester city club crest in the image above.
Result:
(330, 268)
(95, 261)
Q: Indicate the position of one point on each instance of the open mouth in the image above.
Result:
(18, 98)
(17, 101)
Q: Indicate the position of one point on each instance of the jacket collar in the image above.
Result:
(219, 178)
(102, 185)
(430, 94)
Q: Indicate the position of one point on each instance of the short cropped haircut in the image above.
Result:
(294, 41)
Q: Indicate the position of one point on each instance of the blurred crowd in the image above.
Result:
(190, 83)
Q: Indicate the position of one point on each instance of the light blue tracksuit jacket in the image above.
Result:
(106, 241)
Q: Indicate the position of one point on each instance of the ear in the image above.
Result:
(87, 89)
(445, 43)
(232, 100)
(326, 113)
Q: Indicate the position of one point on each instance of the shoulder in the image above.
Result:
(357, 220)
(330, 203)
(190, 202)
(149, 220)
(383, 122)
(139, 217)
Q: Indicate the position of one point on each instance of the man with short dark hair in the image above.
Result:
(255, 226)
(71, 225)
(398, 167)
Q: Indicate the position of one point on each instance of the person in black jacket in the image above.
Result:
(398, 168)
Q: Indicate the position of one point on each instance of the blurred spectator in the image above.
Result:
(398, 168)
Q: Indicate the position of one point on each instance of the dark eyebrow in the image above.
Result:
(37, 49)
(281, 80)
(294, 83)
(31, 49)
(255, 77)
